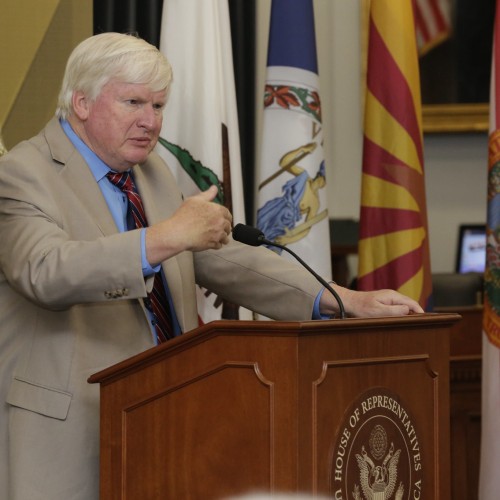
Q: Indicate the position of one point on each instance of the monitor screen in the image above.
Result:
(471, 254)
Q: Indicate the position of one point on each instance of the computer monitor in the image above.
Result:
(471, 251)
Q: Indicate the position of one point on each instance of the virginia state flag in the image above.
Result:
(394, 242)
(291, 181)
(200, 138)
(489, 477)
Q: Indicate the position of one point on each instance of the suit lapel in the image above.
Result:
(159, 204)
(79, 178)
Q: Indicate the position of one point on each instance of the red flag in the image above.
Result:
(394, 243)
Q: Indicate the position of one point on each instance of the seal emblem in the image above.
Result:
(376, 455)
(378, 480)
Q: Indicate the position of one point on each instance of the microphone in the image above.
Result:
(255, 237)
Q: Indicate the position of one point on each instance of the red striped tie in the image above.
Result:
(157, 301)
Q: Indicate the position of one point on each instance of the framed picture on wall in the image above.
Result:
(455, 74)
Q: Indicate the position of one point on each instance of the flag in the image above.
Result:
(291, 180)
(489, 478)
(200, 139)
(394, 243)
(433, 23)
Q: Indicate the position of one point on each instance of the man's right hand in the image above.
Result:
(198, 224)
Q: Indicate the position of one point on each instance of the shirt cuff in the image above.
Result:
(147, 268)
(316, 314)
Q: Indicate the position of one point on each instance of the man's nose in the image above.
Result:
(148, 117)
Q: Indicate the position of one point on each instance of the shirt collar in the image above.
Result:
(98, 168)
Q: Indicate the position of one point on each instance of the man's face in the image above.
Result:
(123, 124)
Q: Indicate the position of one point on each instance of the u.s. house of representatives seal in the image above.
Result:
(377, 453)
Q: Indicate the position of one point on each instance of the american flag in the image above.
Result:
(432, 23)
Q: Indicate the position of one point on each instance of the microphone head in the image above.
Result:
(248, 235)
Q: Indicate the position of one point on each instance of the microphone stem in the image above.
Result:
(316, 275)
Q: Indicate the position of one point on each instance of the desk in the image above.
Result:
(465, 401)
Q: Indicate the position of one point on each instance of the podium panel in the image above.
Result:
(349, 408)
(216, 436)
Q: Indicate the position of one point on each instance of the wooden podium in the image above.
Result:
(351, 408)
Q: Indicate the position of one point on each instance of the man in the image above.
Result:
(77, 289)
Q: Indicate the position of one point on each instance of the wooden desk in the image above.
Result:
(465, 401)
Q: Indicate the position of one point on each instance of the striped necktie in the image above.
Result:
(157, 301)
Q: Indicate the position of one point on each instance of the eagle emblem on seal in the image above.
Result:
(378, 473)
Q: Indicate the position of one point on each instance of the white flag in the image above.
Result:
(292, 209)
(200, 139)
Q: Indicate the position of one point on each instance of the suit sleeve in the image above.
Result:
(53, 252)
(258, 279)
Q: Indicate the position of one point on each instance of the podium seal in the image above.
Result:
(377, 454)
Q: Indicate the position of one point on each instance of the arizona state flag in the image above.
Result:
(489, 478)
(394, 243)
(291, 182)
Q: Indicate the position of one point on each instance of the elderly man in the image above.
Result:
(99, 261)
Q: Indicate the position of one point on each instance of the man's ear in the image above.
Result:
(80, 104)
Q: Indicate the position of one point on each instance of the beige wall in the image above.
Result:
(36, 37)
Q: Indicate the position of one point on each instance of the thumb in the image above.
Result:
(210, 193)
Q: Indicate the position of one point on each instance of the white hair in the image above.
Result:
(111, 56)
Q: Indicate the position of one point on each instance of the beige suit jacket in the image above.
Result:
(71, 289)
